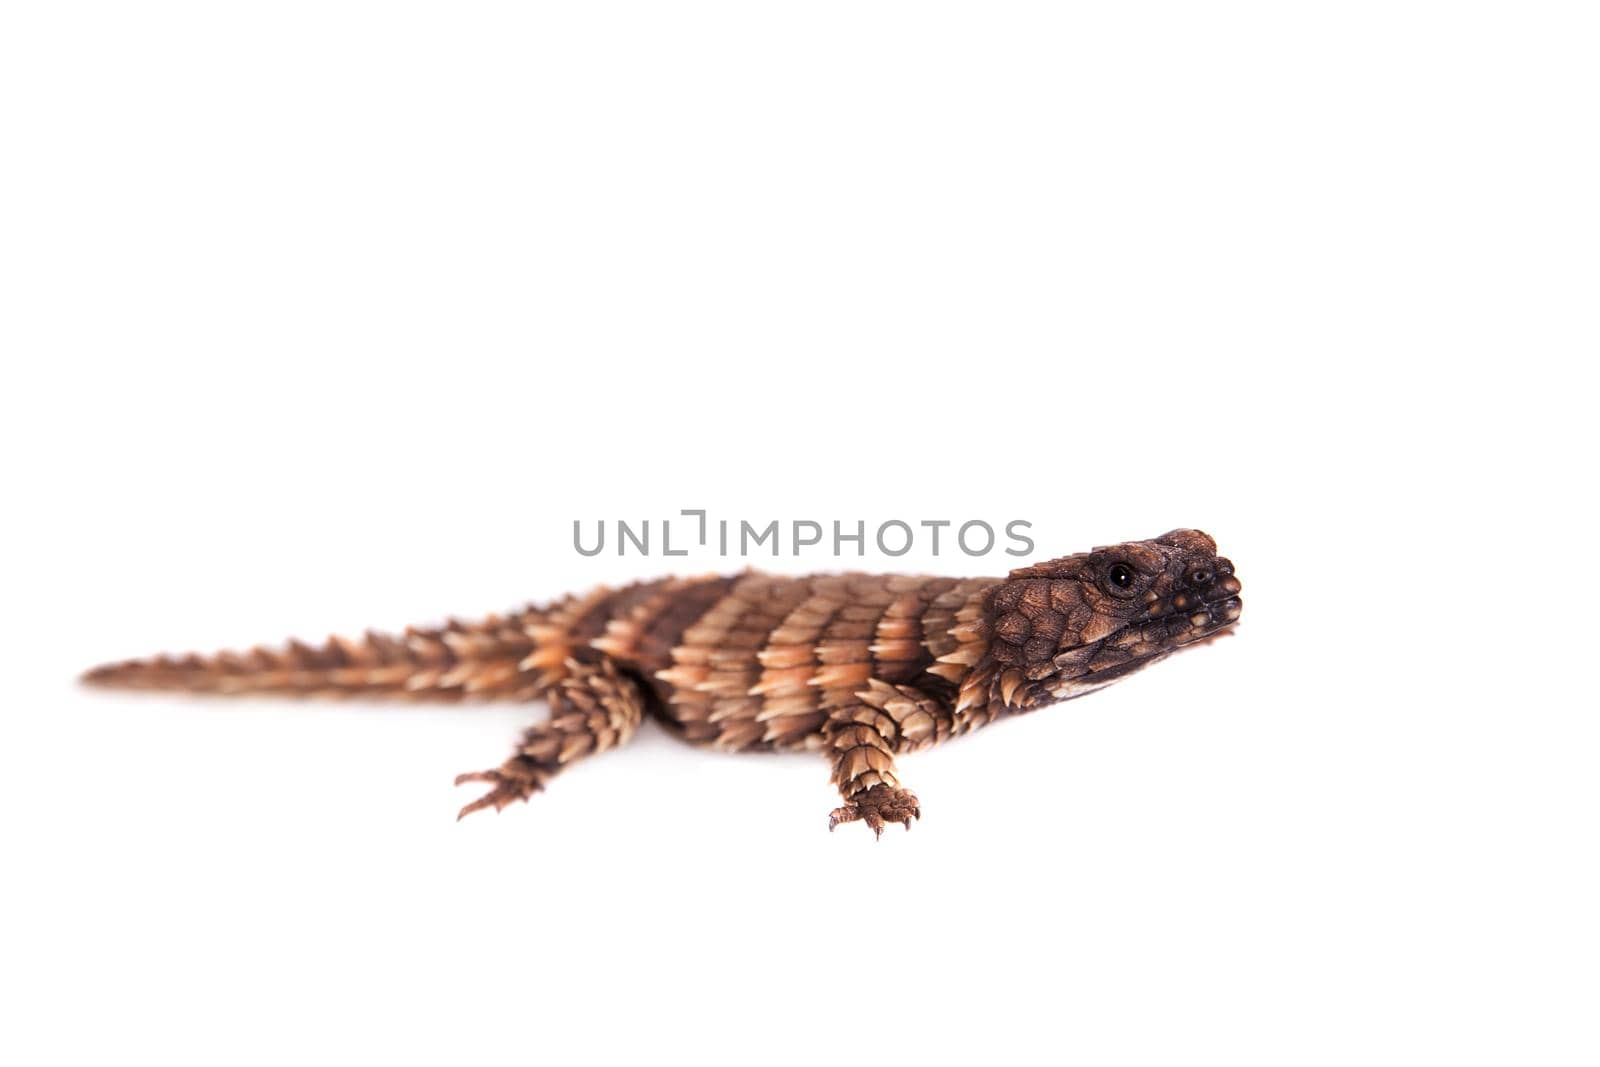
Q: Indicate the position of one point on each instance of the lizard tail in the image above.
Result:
(516, 657)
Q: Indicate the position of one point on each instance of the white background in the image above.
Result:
(325, 315)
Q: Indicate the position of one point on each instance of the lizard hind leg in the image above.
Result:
(593, 708)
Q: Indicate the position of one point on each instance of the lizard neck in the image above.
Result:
(965, 657)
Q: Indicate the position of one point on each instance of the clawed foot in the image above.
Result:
(878, 807)
(511, 783)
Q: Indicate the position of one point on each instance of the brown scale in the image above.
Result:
(861, 667)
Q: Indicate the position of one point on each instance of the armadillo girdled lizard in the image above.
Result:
(859, 667)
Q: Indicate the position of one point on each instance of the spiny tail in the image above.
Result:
(517, 657)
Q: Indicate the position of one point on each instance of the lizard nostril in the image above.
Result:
(1200, 576)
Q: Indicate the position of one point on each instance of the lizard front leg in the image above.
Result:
(593, 708)
(863, 739)
(863, 769)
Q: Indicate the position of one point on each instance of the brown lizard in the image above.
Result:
(859, 667)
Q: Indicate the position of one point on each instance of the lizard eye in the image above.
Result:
(1120, 577)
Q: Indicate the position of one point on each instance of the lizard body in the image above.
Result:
(859, 667)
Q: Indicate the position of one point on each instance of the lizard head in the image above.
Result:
(1071, 625)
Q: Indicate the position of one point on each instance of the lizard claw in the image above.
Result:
(877, 807)
(508, 789)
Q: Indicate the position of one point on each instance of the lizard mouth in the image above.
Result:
(1175, 621)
